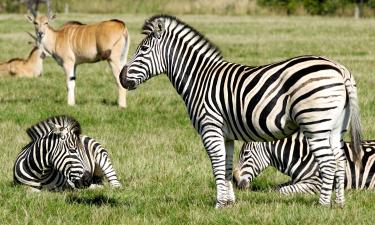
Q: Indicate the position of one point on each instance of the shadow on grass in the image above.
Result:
(270, 195)
(306, 200)
(97, 200)
(109, 102)
(17, 100)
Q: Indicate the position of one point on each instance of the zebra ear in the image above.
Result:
(56, 128)
(159, 28)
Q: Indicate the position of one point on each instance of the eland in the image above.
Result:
(75, 43)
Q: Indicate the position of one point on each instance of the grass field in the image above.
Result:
(158, 156)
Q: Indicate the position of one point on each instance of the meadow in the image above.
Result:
(164, 169)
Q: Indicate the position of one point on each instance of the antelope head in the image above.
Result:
(41, 22)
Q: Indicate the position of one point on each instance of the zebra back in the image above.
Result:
(44, 128)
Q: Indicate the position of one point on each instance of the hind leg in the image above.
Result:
(304, 187)
(337, 144)
(338, 151)
(321, 148)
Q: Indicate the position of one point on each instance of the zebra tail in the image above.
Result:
(355, 119)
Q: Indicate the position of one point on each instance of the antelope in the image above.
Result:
(30, 67)
(75, 43)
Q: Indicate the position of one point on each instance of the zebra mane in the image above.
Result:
(148, 28)
(43, 128)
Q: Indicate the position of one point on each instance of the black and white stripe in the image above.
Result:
(228, 101)
(60, 157)
(292, 157)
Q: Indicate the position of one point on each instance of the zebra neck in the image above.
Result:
(190, 81)
(187, 77)
(276, 155)
(263, 156)
(38, 159)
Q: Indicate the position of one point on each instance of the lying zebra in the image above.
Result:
(59, 157)
(292, 157)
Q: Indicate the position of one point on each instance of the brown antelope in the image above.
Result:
(30, 67)
(75, 43)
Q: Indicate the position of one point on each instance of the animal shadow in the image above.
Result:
(98, 200)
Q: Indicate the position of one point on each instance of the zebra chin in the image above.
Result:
(82, 182)
(129, 84)
(240, 181)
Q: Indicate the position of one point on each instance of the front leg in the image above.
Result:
(69, 69)
(214, 144)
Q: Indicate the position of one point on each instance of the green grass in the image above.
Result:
(158, 155)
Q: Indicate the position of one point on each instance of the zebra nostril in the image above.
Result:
(129, 84)
(86, 179)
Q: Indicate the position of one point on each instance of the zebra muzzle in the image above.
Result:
(85, 181)
(126, 83)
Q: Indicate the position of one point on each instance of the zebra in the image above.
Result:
(227, 101)
(292, 157)
(59, 157)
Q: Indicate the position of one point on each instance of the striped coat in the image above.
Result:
(228, 101)
(292, 157)
(59, 157)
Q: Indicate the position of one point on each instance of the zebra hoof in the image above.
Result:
(320, 204)
(96, 186)
(116, 186)
(325, 204)
(33, 190)
(221, 205)
(340, 204)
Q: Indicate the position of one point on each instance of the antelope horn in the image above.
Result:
(49, 10)
(30, 7)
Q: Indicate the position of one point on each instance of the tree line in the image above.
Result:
(232, 7)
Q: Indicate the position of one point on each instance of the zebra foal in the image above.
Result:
(227, 101)
(59, 157)
(292, 156)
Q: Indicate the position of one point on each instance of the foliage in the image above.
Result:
(158, 156)
(220, 7)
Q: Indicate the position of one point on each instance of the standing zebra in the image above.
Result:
(228, 101)
(292, 157)
(59, 157)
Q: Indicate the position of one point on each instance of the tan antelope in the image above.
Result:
(30, 67)
(75, 43)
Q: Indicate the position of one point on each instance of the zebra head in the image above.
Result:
(69, 156)
(147, 60)
(253, 159)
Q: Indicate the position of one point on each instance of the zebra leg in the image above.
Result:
(213, 142)
(321, 148)
(229, 148)
(338, 150)
(103, 167)
(303, 187)
(33, 190)
(69, 69)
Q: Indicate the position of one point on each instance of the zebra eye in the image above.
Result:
(144, 48)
